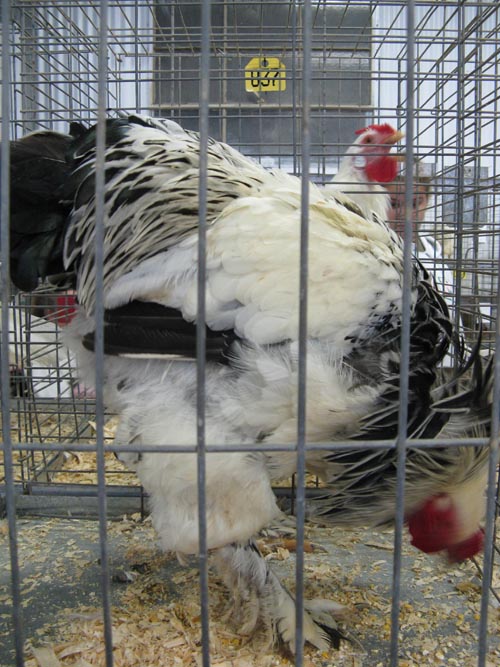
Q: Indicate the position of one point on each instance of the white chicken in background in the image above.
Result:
(366, 165)
(252, 313)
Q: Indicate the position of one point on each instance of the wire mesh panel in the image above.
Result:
(49, 403)
(288, 84)
(265, 121)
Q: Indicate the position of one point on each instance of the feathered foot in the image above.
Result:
(259, 595)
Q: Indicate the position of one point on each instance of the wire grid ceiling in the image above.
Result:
(154, 53)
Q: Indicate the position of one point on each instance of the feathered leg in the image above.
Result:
(259, 595)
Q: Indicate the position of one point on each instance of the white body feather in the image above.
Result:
(253, 252)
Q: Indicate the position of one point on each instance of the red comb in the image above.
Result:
(468, 548)
(431, 527)
(384, 129)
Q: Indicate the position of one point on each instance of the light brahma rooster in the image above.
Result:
(252, 314)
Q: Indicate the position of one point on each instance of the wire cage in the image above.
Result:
(274, 68)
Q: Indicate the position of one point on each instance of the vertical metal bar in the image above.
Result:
(99, 326)
(302, 369)
(225, 74)
(17, 614)
(294, 86)
(200, 329)
(489, 531)
(460, 169)
(401, 442)
(29, 71)
(476, 215)
(494, 458)
(137, 60)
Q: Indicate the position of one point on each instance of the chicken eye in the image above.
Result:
(368, 140)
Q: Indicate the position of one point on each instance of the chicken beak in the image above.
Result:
(394, 138)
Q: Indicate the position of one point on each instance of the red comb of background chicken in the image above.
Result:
(385, 128)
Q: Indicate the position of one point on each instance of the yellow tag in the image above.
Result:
(265, 75)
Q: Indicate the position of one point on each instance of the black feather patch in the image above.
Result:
(361, 477)
(378, 358)
(38, 216)
(152, 330)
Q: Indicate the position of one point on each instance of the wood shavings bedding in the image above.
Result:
(43, 427)
(71, 467)
(81, 467)
(156, 611)
(22, 428)
(156, 615)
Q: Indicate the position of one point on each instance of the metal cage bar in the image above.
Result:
(402, 440)
(300, 499)
(200, 330)
(17, 615)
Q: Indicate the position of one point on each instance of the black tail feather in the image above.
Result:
(38, 215)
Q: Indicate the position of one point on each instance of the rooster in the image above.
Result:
(252, 313)
(366, 165)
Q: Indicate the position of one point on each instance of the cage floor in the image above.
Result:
(155, 601)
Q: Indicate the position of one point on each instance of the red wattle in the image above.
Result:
(429, 543)
(432, 526)
(468, 548)
(382, 170)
